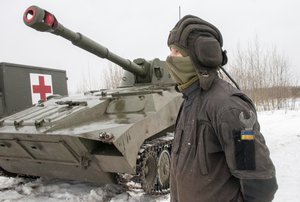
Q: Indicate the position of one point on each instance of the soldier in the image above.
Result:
(219, 154)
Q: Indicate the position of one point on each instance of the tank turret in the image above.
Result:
(144, 71)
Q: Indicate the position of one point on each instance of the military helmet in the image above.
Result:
(202, 40)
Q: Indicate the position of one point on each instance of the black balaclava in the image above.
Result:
(203, 43)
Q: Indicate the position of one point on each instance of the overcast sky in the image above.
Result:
(137, 28)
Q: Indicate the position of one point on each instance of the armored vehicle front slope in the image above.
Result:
(99, 135)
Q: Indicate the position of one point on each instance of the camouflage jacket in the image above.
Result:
(215, 156)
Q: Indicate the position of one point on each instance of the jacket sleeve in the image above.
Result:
(247, 155)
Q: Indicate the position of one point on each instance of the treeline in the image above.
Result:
(275, 97)
(265, 75)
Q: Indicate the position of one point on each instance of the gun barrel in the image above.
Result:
(45, 21)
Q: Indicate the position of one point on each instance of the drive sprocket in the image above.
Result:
(149, 171)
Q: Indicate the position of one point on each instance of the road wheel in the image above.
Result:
(163, 169)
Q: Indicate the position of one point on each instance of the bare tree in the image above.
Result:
(88, 81)
(113, 76)
(110, 78)
(264, 74)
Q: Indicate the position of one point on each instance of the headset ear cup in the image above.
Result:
(208, 51)
(225, 58)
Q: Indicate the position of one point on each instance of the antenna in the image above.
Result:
(179, 12)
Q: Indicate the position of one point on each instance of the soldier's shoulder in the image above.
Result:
(221, 90)
(223, 95)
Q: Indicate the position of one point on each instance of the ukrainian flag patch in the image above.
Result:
(247, 135)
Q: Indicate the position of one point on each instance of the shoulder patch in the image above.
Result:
(245, 144)
(247, 133)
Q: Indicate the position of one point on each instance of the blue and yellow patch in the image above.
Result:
(247, 135)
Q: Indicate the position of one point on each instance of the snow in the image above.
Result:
(55, 190)
(282, 135)
(280, 129)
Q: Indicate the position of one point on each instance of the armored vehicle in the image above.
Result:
(102, 134)
(29, 84)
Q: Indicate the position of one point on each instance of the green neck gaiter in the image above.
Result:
(182, 71)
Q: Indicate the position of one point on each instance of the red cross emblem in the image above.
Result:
(42, 89)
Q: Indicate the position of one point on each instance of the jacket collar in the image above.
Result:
(191, 91)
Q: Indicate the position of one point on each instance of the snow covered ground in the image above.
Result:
(282, 135)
